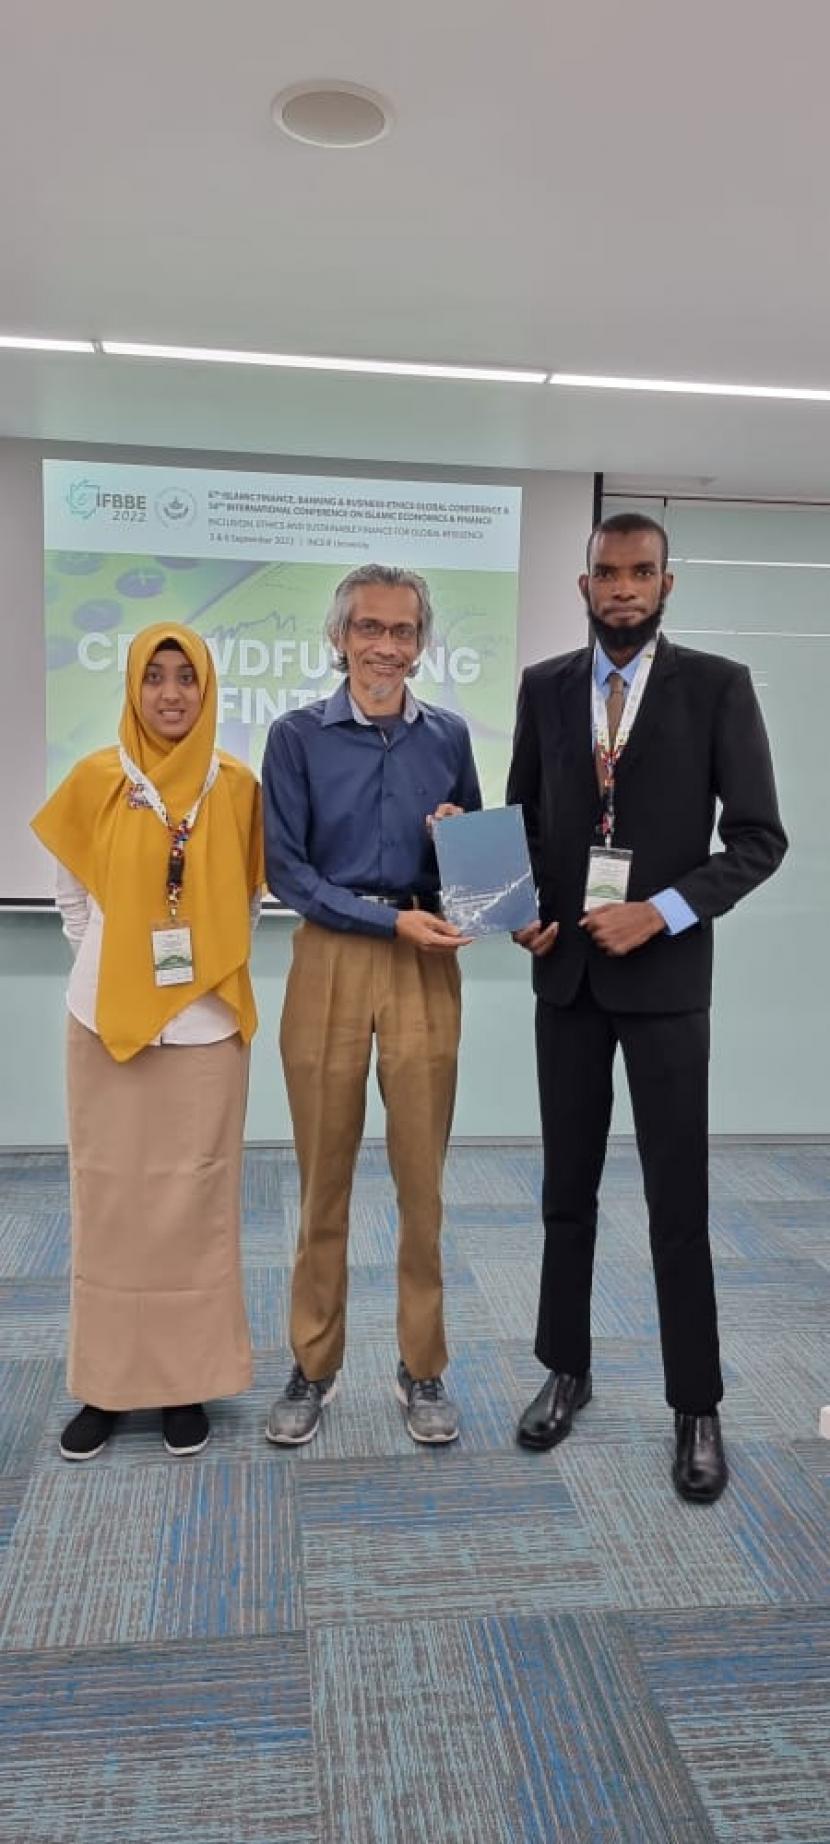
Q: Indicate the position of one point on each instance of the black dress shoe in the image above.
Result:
(700, 1471)
(549, 1417)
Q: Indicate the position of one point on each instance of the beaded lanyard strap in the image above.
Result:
(141, 785)
(609, 756)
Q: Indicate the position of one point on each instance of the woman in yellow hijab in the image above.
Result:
(159, 849)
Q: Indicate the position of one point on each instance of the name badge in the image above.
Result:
(608, 875)
(172, 956)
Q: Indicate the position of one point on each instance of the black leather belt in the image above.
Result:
(401, 899)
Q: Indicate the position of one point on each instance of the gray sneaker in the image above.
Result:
(295, 1416)
(430, 1415)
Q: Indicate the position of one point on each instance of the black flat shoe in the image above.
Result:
(185, 1430)
(549, 1417)
(87, 1433)
(700, 1471)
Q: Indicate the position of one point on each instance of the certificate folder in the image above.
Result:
(486, 880)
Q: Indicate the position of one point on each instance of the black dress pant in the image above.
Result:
(667, 1063)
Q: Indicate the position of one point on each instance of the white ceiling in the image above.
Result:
(618, 186)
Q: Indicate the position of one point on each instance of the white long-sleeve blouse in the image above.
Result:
(204, 1021)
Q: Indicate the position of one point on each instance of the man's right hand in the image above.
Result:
(428, 932)
(536, 939)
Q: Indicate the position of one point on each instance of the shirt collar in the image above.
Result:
(341, 708)
(603, 666)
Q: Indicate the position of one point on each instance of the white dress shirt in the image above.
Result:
(204, 1021)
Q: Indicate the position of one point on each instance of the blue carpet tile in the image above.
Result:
(365, 1642)
(746, 1696)
(553, 1736)
(167, 1742)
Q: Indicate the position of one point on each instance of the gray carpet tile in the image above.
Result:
(165, 1698)
(227, 1562)
(495, 1241)
(509, 1293)
(234, 1798)
(443, 1533)
(34, 1241)
(33, 1316)
(775, 1384)
(657, 1550)
(124, 1553)
(768, 1174)
(12, 1492)
(81, 1564)
(267, 1292)
(755, 1296)
(779, 1520)
(814, 1457)
(591, 1754)
(371, 1307)
(30, 1388)
(750, 1232)
(270, 1241)
(408, 1740)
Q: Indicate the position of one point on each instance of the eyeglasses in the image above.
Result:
(404, 633)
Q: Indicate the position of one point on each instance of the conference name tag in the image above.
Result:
(608, 875)
(172, 956)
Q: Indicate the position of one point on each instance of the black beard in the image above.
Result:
(628, 639)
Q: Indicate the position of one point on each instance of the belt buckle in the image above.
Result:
(390, 902)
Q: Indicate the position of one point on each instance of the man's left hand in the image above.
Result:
(618, 928)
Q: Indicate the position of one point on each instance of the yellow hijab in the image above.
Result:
(120, 852)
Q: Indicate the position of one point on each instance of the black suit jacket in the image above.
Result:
(698, 739)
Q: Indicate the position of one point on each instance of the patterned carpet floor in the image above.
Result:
(366, 1642)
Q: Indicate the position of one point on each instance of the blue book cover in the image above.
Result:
(486, 881)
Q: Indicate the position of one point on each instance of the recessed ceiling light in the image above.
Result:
(300, 361)
(689, 387)
(332, 114)
(21, 342)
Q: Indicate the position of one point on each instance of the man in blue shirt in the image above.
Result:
(351, 787)
(623, 753)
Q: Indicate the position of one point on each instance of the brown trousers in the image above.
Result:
(342, 990)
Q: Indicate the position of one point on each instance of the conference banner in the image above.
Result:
(250, 561)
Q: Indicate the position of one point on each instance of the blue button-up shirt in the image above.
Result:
(676, 912)
(346, 806)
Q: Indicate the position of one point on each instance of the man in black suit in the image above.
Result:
(621, 752)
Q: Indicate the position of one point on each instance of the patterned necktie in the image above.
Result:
(615, 705)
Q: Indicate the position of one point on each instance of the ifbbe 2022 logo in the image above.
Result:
(86, 497)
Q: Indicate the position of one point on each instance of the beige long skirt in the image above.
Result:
(157, 1315)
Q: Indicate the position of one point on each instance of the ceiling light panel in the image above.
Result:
(296, 361)
(689, 387)
(23, 342)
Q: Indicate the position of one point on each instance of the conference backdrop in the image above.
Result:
(250, 560)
